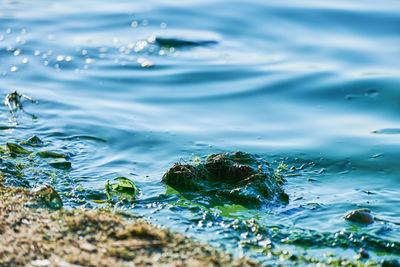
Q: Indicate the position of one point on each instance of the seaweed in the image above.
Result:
(237, 177)
(124, 189)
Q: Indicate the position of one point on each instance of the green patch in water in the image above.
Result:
(50, 196)
(62, 164)
(123, 189)
(48, 154)
(235, 178)
(16, 149)
(33, 141)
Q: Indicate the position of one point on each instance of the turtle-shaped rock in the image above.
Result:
(240, 177)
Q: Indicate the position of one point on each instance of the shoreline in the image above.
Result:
(33, 235)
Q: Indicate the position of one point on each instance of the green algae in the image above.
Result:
(307, 238)
(123, 189)
(49, 195)
(49, 154)
(234, 177)
(16, 149)
(33, 141)
(62, 165)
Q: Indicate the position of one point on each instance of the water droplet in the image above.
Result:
(17, 52)
(147, 64)
(1, 37)
(134, 24)
(145, 22)
(13, 68)
(60, 58)
(25, 60)
(45, 63)
(84, 52)
(68, 58)
(8, 31)
(36, 53)
(163, 25)
(152, 39)
(140, 45)
(89, 60)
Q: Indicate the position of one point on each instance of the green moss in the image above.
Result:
(13, 148)
(48, 154)
(237, 177)
(33, 141)
(62, 165)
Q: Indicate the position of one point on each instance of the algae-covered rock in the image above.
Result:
(48, 154)
(61, 164)
(16, 149)
(49, 195)
(239, 177)
(33, 141)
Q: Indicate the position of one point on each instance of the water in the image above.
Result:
(312, 83)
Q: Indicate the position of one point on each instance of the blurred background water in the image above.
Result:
(127, 88)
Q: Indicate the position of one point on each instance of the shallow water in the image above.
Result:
(312, 83)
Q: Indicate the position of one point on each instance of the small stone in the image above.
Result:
(360, 216)
(41, 263)
(16, 149)
(33, 141)
(62, 165)
(363, 254)
(88, 247)
(49, 195)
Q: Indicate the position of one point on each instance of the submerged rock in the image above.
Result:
(49, 195)
(33, 141)
(16, 149)
(360, 216)
(239, 177)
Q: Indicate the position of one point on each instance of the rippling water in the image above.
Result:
(127, 89)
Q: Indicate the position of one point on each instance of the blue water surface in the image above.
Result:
(312, 83)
